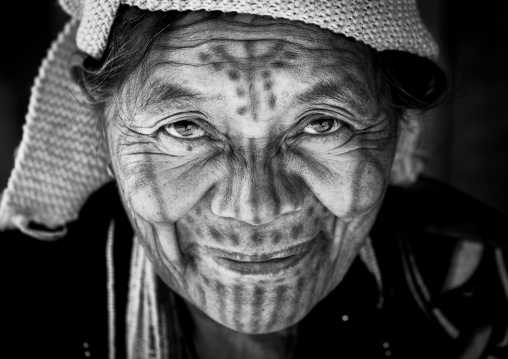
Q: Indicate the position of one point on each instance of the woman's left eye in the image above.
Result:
(322, 126)
(185, 129)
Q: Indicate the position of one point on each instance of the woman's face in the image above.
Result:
(252, 160)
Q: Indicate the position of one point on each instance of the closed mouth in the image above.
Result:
(270, 263)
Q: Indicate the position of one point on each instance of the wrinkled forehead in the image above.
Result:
(210, 55)
(250, 41)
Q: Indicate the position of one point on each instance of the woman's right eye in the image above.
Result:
(184, 129)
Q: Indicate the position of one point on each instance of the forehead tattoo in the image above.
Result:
(251, 61)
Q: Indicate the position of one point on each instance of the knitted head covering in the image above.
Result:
(60, 161)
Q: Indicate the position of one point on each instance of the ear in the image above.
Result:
(407, 164)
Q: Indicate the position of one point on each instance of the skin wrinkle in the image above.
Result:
(260, 163)
(271, 180)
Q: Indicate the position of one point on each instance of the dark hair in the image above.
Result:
(414, 82)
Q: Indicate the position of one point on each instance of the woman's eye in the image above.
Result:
(185, 129)
(322, 125)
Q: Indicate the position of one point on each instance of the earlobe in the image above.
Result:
(407, 163)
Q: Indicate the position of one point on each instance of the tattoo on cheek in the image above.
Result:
(295, 232)
(266, 74)
(235, 240)
(272, 101)
(233, 75)
(240, 92)
(215, 234)
(241, 110)
(296, 299)
(258, 302)
(256, 238)
(280, 299)
(238, 305)
(217, 66)
(277, 236)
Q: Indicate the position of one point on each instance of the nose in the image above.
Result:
(258, 190)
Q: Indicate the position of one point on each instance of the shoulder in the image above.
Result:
(443, 256)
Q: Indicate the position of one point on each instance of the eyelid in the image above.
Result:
(166, 130)
(338, 122)
(307, 117)
(157, 125)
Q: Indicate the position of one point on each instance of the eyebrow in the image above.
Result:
(349, 90)
(158, 92)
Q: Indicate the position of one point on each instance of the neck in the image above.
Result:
(213, 340)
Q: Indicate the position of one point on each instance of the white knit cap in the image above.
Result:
(382, 24)
(60, 161)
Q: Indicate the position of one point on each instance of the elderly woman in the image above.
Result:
(252, 145)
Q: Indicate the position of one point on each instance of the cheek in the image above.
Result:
(351, 184)
(368, 182)
(161, 189)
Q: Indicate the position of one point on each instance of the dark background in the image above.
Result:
(466, 140)
(465, 144)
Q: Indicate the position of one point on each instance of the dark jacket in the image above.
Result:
(55, 293)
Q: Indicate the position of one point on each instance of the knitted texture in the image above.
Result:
(59, 162)
(382, 24)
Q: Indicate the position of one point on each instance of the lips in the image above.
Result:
(265, 264)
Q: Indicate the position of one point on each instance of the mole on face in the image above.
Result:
(189, 148)
(203, 57)
(241, 110)
(233, 75)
